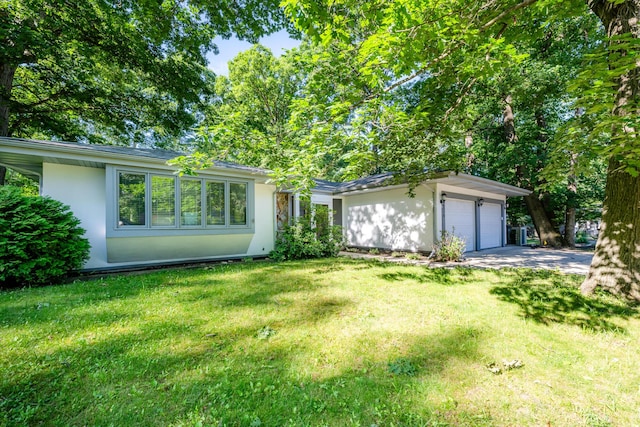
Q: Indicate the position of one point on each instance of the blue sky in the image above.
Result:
(278, 43)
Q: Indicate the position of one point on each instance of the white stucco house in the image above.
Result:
(137, 211)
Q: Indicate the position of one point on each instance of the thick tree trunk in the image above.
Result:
(7, 71)
(616, 263)
(549, 236)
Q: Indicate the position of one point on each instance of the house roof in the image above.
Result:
(385, 180)
(27, 156)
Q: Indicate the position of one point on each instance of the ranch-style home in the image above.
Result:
(137, 211)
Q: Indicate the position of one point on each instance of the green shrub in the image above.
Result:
(581, 237)
(449, 248)
(374, 251)
(40, 241)
(301, 241)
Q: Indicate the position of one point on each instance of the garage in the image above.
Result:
(460, 219)
(490, 225)
(479, 222)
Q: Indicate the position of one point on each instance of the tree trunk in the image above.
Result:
(548, 234)
(616, 263)
(7, 71)
(569, 238)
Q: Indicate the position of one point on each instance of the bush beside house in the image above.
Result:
(302, 241)
(40, 240)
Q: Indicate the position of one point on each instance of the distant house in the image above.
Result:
(137, 211)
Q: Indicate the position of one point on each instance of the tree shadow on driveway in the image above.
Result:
(546, 298)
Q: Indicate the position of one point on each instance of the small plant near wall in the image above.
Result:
(448, 248)
(40, 240)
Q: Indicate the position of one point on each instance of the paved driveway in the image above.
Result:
(574, 261)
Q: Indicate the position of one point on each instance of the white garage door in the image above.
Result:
(460, 218)
(490, 225)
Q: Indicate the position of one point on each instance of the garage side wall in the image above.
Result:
(83, 190)
(390, 219)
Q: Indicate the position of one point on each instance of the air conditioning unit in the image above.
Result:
(521, 236)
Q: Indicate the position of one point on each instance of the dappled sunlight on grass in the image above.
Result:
(545, 298)
(327, 342)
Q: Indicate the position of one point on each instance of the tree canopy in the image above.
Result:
(114, 71)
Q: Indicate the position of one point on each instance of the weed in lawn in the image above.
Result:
(265, 333)
(402, 367)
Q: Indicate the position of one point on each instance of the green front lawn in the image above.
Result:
(329, 342)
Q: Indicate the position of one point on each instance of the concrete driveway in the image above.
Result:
(575, 261)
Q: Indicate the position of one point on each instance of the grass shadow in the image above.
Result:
(545, 297)
(440, 276)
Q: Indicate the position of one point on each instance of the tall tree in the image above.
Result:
(117, 71)
(248, 122)
(518, 118)
(453, 45)
(616, 263)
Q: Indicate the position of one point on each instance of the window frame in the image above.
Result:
(114, 229)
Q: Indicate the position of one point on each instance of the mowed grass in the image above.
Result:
(328, 342)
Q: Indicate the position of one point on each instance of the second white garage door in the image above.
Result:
(460, 218)
(490, 226)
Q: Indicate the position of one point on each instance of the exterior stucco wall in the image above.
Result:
(264, 238)
(390, 219)
(83, 190)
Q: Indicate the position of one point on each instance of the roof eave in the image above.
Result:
(79, 153)
(498, 187)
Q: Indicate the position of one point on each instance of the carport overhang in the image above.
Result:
(476, 183)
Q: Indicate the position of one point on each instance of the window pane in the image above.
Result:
(191, 202)
(163, 201)
(238, 203)
(131, 200)
(215, 203)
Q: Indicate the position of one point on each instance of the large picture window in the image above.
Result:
(148, 200)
